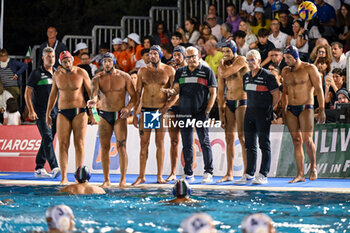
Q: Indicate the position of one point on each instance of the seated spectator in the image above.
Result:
(232, 17)
(10, 73)
(272, 7)
(160, 34)
(256, 223)
(12, 115)
(320, 51)
(176, 39)
(259, 21)
(313, 28)
(200, 55)
(123, 58)
(264, 46)
(212, 10)
(326, 15)
(323, 66)
(239, 37)
(205, 31)
(277, 59)
(97, 60)
(82, 175)
(117, 46)
(333, 82)
(285, 22)
(277, 37)
(145, 59)
(79, 49)
(146, 43)
(213, 55)
(343, 25)
(200, 45)
(225, 30)
(134, 47)
(87, 65)
(343, 96)
(299, 40)
(60, 218)
(192, 34)
(247, 9)
(212, 20)
(339, 58)
(198, 223)
(4, 96)
(250, 38)
(167, 51)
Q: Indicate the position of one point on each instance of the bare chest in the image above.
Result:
(69, 82)
(155, 77)
(297, 78)
(112, 83)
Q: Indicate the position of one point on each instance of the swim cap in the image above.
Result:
(82, 174)
(256, 223)
(230, 44)
(292, 50)
(180, 49)
(109, 55)
(344, 92)
(158, 49)
(64, 55)
(197, 223)
(58, 217)
(181, 188)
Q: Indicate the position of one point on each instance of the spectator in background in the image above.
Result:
(144, 61)
(12, 115)
(10, 73)
(343, 96)
(339, 58)
(176, 39)
(232, 17)
(200, 55)
(327, 17)
(52, 42)
(299, 40)
(277, 59)
(123, 58)
(212, 10)
(200, 46)
(117, 46)
(239, 37)
(87, 65)
(160, 34)
(79, 49)
(293, 10)
(146, 43)
(134, 47)
(192, 34)
(213, 55)
(167, 53)
(247, 9)
(4, 96)
(333, 82)
(285, 22)
(250, 38)
(205, 31)
(97, 60)
(264, 46)
(313, 28)
(324, 67)
(343, 25)
(225, 30)
(259, 21)
(277, 37)
(321, 51)
(212, 20)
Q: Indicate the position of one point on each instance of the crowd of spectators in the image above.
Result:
(268, 26)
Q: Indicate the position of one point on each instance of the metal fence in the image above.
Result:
(104, 34)
(170, 16)
(137, 24)
(72, 40)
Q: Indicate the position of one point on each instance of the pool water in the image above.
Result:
(138, 209)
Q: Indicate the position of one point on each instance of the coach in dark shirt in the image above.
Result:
(196, 86)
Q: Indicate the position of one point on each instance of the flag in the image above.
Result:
(28, 58)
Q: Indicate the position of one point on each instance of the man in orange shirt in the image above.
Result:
(80, 48)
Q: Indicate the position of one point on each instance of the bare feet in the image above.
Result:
(225, 178)
(122, 184)
(106, 184)
(139, 180)
(298, 179)
(64, 182)
(160, 180)
(171, 177)
(313, 174)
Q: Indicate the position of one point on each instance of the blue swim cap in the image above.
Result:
(158, 49)
(180, 49)
(181, 188)
(82, 174)
(108, 55)
(230, 44)
(292, 50)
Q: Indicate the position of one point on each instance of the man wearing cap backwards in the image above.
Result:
(230, 75)
(300, 81)
(82, 175)
(151, 79)
(69, 81)
(60, 218)
(113, 85)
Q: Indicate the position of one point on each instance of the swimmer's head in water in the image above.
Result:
(181, 188)
(153, 54)
(66, 60)
(256, 223)
(82, 174)
(60, 217)
(108, 61)
(231, 45)
(198, 223)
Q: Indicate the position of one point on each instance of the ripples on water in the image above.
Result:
(137, 209)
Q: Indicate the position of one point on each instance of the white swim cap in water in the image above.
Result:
(59, 217)
(257, 223)
(197, 223)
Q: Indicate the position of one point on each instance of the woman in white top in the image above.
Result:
(299, 40)
(250, 38)
(192, 34)
(12, 115)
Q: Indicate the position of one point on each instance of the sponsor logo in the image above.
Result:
(151, 120)
(113, 155)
